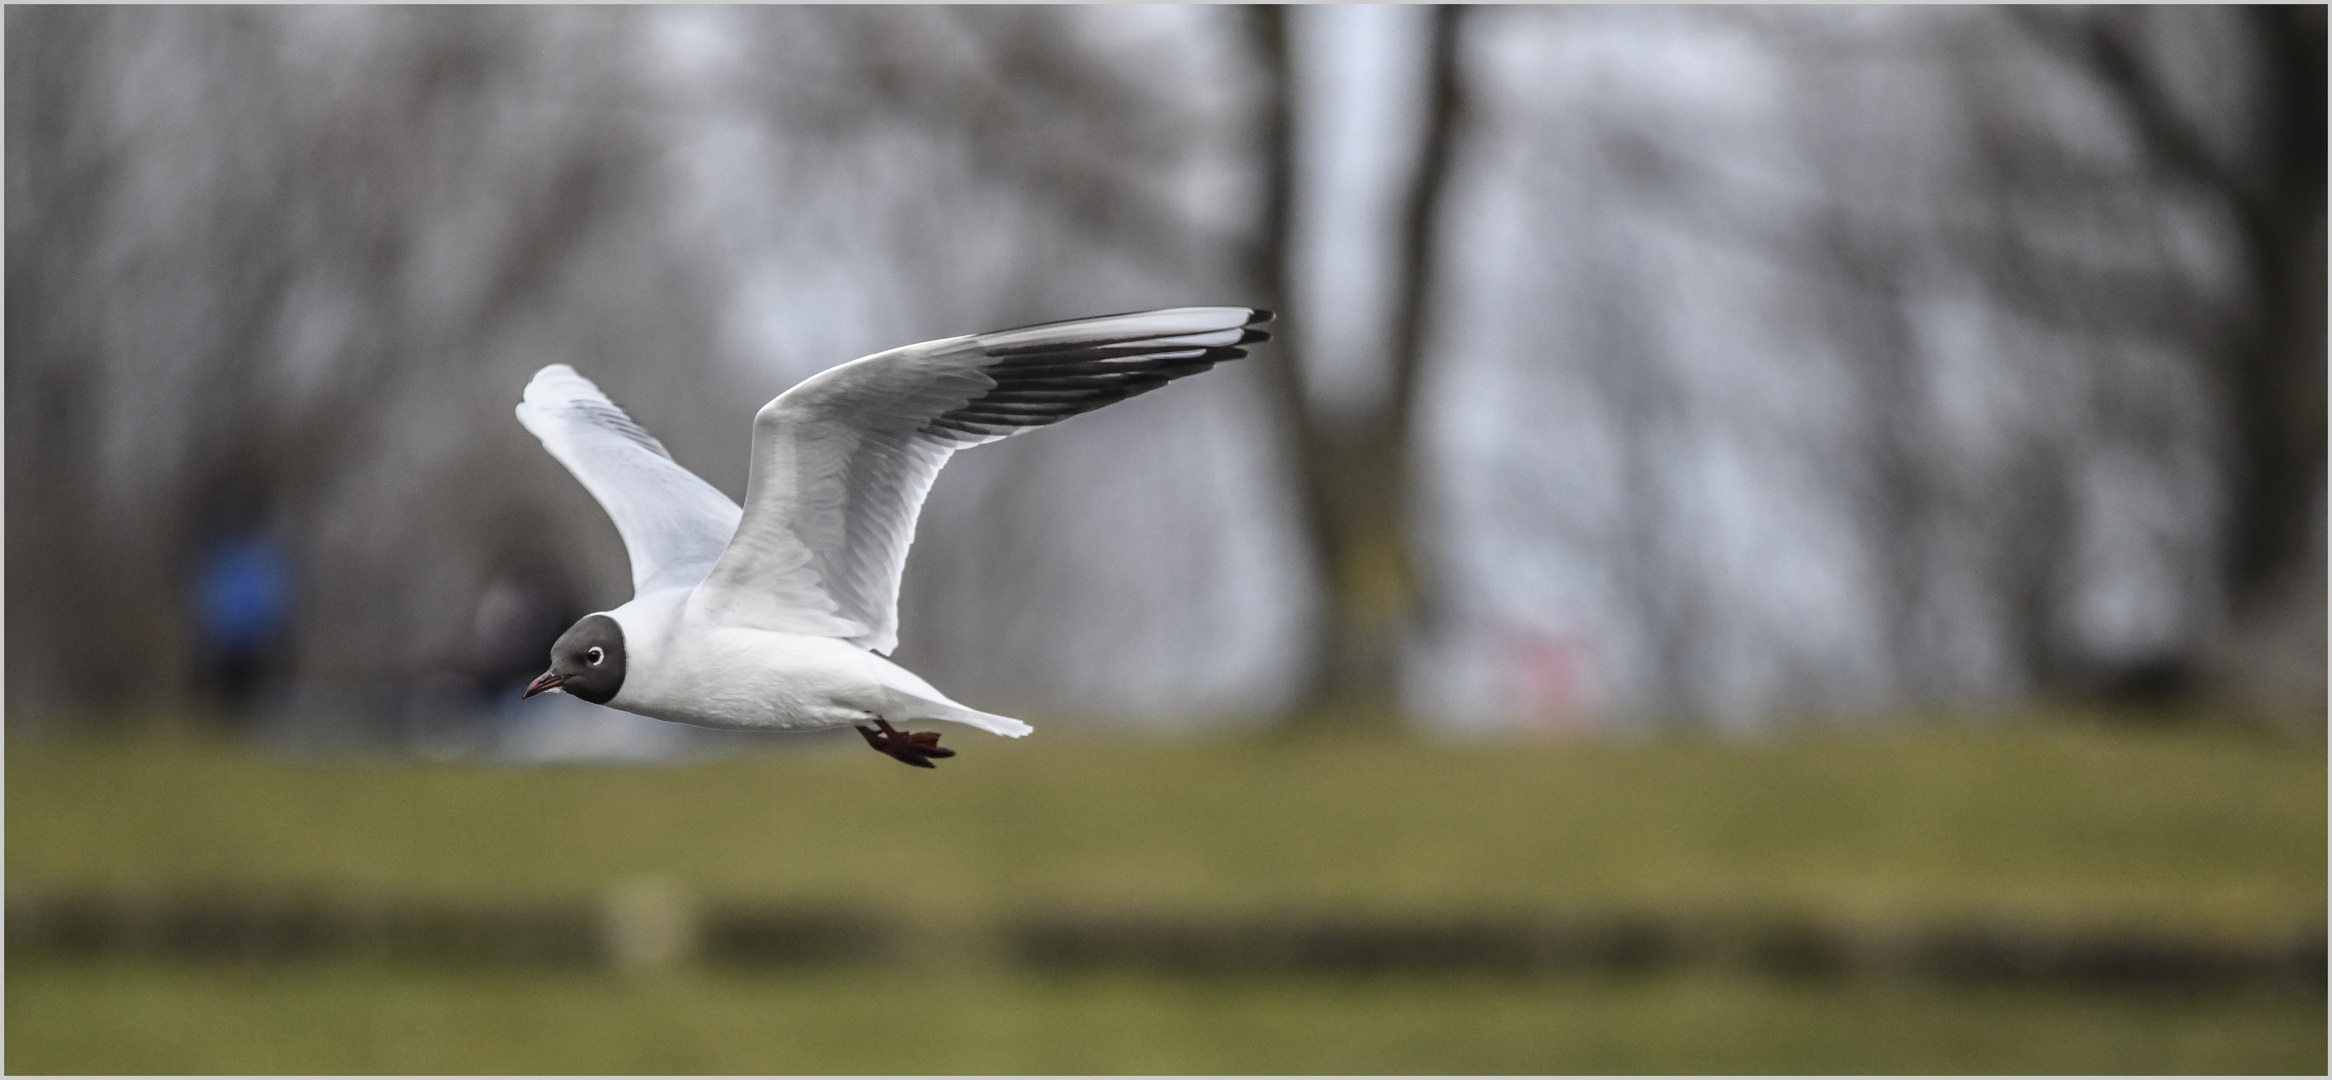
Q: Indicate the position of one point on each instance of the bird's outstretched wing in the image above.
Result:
(674, 525)
(841, 463)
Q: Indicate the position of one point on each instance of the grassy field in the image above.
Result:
(2212, 833)
(355, 1019)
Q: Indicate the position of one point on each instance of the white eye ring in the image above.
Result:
(596, 655)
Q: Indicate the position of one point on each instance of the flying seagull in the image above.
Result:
(773, 616)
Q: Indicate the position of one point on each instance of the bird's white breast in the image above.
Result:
(690, 671)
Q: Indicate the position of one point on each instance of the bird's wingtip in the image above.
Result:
(559, 382)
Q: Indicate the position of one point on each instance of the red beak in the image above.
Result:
(548, 680)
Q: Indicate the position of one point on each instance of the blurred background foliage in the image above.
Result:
(1858, 467)
(1697, 365)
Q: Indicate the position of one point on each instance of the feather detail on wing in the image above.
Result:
(674, 525)
(841, 463)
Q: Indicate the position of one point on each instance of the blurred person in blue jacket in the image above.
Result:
(243, 596)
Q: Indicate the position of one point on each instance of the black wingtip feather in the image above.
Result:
(1040, 384)
(1072, 363)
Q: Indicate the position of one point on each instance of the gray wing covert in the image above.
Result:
(842, 462)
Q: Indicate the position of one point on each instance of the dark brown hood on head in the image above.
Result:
(588, 660)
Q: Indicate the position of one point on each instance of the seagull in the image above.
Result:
(775, 616)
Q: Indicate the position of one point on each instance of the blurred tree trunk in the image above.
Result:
(2270, 349)
(2274, 555)
(2277, 374)
(1356, 472)
(2274, 358)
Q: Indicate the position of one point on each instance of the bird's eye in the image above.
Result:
(596, 655)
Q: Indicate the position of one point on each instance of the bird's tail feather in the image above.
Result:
(922, 708)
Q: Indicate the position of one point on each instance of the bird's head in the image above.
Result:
(587, 661)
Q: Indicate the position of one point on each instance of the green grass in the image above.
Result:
(2201, 833)
(2196, 830)
(355, 1019)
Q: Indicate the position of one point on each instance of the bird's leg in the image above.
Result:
(916, 748)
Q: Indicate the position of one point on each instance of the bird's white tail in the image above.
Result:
(915, 707)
